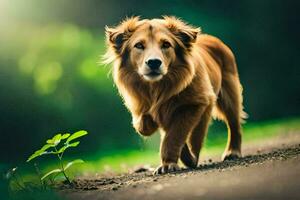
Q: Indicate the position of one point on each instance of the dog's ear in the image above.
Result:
(116, 36)
(187, 34)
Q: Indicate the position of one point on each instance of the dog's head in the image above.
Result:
(151, 48)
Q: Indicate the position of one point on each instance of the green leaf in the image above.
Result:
(45, 147)
(36, 154)
(49, 141)
(51, 172)
(76, 135)
(74, 144)
(55, 140)
(77, 161)
(49, 152)
(65, 136)
(62, 149)
(40, 152)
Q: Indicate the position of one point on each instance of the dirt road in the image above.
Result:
(269, 170)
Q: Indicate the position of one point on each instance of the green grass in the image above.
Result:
(122, 161)
(252, 132)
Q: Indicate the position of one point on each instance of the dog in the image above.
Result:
(174, 78)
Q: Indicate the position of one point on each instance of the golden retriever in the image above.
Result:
(174, 78)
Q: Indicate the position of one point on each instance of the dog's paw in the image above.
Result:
(167, 168)
(231, 155)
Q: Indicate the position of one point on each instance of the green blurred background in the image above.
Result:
(50, 79)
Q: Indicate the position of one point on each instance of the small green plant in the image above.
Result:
(57, 146)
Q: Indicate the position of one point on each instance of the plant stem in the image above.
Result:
(62, 167)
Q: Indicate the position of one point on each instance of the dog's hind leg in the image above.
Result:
(230, 107)
(190, 152)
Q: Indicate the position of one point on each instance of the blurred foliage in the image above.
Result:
(52, 83)
(50, 80)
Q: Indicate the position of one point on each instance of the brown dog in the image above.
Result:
(174, 78)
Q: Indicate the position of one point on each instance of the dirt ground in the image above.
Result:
(268, 170)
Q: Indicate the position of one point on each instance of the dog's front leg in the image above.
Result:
(144, 124)
(176, 131)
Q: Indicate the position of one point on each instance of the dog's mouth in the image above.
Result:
(153, 76)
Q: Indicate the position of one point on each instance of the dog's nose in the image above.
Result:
(153, 64)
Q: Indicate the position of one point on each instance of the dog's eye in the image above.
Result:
(166, 45)
(139, 45)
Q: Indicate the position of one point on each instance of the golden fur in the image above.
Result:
(197, 78)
